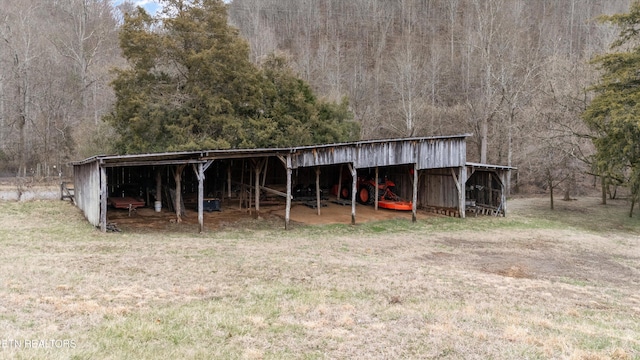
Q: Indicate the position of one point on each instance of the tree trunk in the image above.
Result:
(484, 138)
(550, 182)
(568, 188)
(603, 180)
(22, 158)
(635, 189)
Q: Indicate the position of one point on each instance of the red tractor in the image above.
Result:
(366, 186)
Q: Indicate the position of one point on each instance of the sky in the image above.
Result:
(151, 6)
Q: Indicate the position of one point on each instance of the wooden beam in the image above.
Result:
(473, 169)
(158, 186)
(103, 199)
(274, 191)
(455, 178)
(229, 179)
(377, 191)
(257, 169)
(199, 171)
(250, 194)
(503, 197)
(287, 212)
(206, 166)
(354, 191)
(318, 189)
(264, 171)
(414, 204)
(340, 181)
(124, 164)
(178, 201)
(242, 190)
(462, 193)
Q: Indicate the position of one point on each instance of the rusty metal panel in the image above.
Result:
(86, 179)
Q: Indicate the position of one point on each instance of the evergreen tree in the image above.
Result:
(190, 85)
(293, 115)
(614, 113)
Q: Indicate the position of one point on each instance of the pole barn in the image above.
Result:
(431, 171)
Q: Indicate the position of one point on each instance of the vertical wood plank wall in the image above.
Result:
(86, 179)
(438, 188)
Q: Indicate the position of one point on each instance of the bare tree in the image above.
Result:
(17, 34)
(406, 79)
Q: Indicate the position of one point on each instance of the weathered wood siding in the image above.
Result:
(333, 155)
(385, 154)
(426, 153)
(86, 179)
(442, 153)
(438, 189)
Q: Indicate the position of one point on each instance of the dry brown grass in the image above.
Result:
(534, 285)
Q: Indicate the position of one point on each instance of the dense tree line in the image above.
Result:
(511, 72)
(55, 58)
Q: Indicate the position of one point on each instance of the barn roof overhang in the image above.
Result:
(487, 167)
(201, 156)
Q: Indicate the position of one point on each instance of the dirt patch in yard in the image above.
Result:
(331, 213)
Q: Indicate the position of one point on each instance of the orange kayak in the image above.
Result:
(396, 205)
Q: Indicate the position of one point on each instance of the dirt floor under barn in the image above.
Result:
(231, 213)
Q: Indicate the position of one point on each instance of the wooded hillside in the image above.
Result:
(511, 72)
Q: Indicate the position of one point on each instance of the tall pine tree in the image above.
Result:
(190, 85)
(614, 113)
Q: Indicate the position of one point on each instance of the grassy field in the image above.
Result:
(535, 285)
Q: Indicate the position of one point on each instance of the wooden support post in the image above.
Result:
(318, 189)
(199, 171)
(264, 171)
(103, 199)
(178, 201)
(504, 192)
(242, 189)
(229, 180)
(159, 186)
(250, 194)
(354, 191)
(200, 176)
(377, 190)
(287, 213)
(340, 181)
(258, 169)
(414, 205)
(463, 192)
